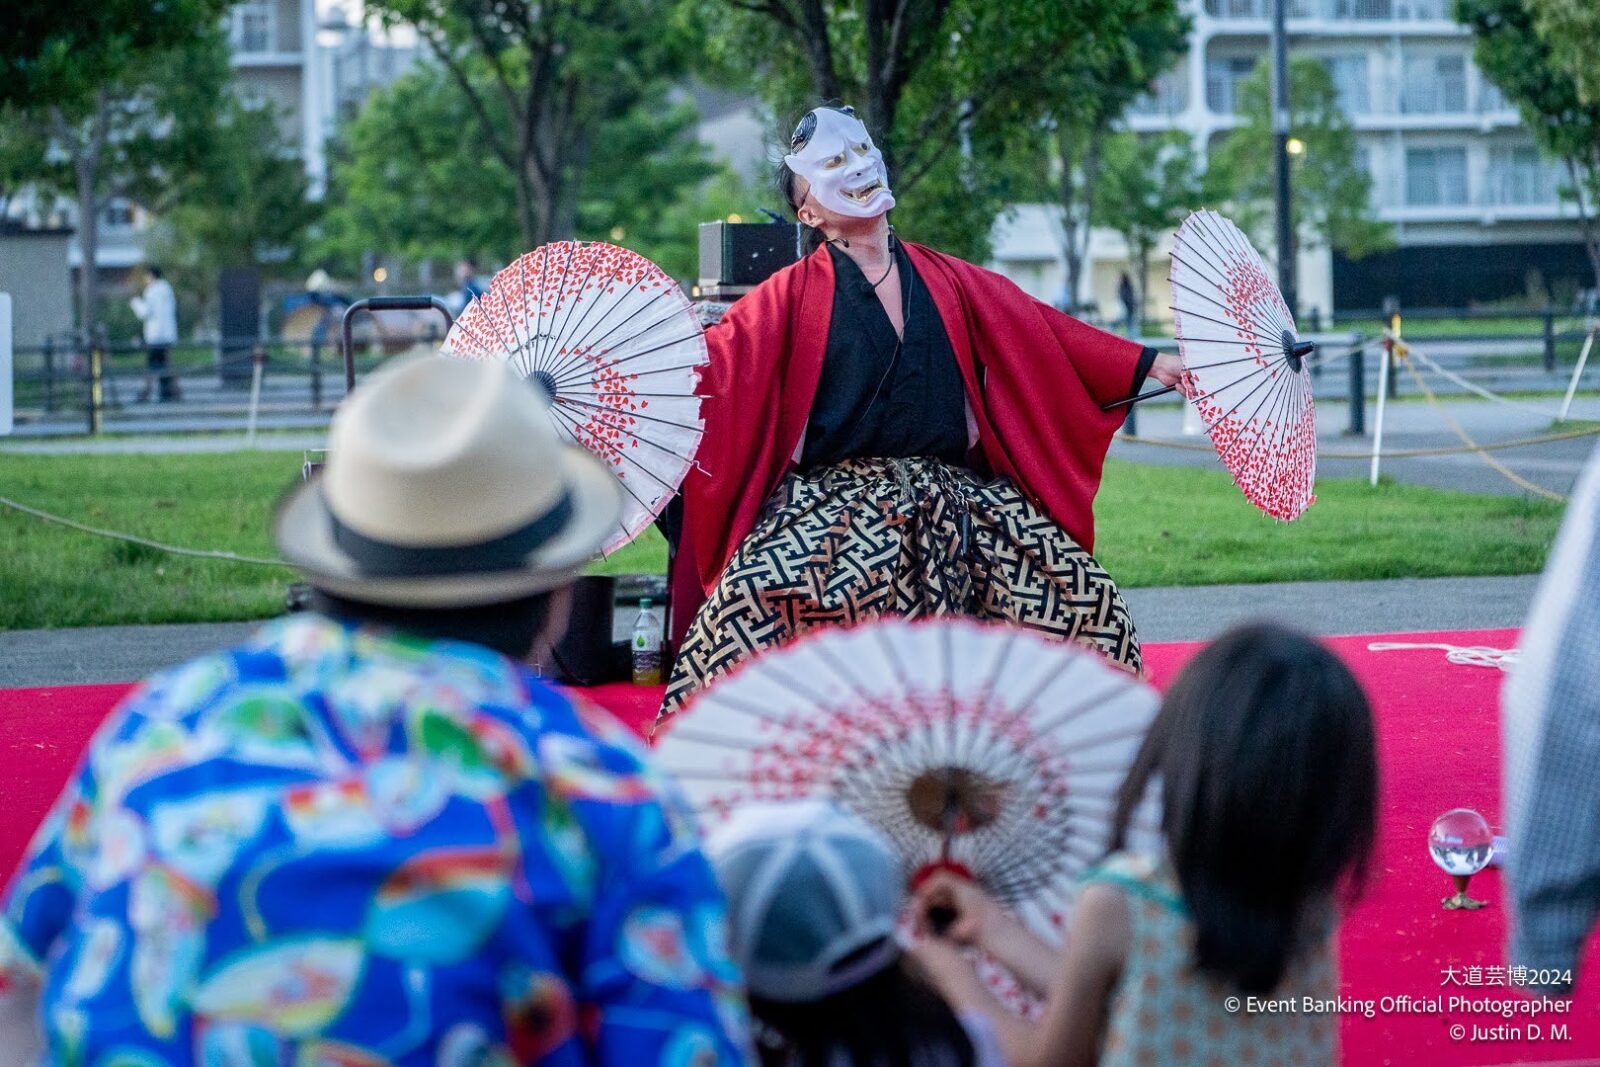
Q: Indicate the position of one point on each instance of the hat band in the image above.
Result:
(508, 552)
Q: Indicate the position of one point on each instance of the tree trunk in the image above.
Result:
(1586, 222)
(86, 171)
(1077, 215)
(1142, 265)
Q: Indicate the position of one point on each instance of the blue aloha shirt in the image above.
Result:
(335, 846)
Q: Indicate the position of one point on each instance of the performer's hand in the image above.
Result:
(1167, 369)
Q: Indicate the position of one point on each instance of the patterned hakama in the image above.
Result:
(914, 537)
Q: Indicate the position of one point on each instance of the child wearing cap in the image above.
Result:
(814, 894)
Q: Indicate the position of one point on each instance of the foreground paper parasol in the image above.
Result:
(616, 345)
(990, 750)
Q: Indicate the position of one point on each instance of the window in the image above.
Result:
(1490, 98)
(1519, 175)
(1167, 95)
(1349, 74)
(1434, 84)
(254, 28)
(1436, 177)
(117, 215)
(1363, 9)
(1237, 9)
(1222, 82)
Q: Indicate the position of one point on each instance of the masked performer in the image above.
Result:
(890, 430)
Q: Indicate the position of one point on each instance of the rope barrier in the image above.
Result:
(1397, 453)
(1460, 655)
(177, 550)
(1473, 387)
(1500, 468)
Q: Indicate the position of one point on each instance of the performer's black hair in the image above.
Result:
(1265, 760)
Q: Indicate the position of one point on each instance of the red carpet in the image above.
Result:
(1439, 747)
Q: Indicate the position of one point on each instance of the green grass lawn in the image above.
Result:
(1157, 526)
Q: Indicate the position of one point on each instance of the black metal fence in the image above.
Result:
(77, 387)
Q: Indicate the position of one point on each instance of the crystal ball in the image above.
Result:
(1461, 842)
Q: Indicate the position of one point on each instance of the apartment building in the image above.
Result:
(1451, 164)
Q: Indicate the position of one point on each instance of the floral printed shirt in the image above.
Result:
(334, 846)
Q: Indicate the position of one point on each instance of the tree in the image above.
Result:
(1332, 193)
(941, 83)
(57, 52)
(1572, 30)
(412, 181)
(242, 202)
(1509, 50)
(1093, 98)
(1148, 186)
(541, 79)
(134, 135)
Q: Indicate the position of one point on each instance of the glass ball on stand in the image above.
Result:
(1461, 843)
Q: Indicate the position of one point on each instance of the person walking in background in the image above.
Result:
(814, 893)
(370, 833)
(1265, 755)
(157, 309)
(469, 285)
(1130, 305)
(1551, 721)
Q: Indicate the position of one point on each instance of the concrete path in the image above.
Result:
(124, 653)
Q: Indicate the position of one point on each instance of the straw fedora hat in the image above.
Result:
(446, 486)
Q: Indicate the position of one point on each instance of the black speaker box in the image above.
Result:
(745, 253)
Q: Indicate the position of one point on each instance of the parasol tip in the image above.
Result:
(1295, 351)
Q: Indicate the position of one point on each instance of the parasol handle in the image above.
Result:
(1138, 397)
(1295, 352)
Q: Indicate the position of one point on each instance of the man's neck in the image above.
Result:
(868, 245)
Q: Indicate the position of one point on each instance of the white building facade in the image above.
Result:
(1451, 164)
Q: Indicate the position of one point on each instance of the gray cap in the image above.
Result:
(813, 894)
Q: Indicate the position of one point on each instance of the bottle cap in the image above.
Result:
(644, 603)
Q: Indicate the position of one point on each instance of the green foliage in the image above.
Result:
(1332, 201)
(1147, 187)
(542, 82)
(412, 181)
(59, 52)
(1572, 30)
(1092, 98)
(242, 203)
(1540, 75)
(944, 85)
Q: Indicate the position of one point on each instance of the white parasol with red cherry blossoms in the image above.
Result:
(616, 345)
(1246, 370)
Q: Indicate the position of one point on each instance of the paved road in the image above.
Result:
(123, 653)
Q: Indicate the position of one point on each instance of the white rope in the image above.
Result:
(176, 550)
(1460, 655)
(1473, 387)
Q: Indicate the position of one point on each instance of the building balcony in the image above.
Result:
(268, 60)
(1337, 17)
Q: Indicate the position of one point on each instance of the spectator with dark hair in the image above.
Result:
(157, 308)
(1265, 756)
(370, 833)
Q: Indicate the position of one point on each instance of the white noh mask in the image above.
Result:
(833, 152)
